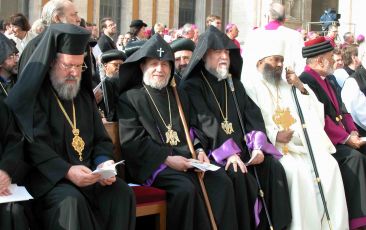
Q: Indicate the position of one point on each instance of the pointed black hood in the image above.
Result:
(130, 73)
(7, 47)
(63, 38)
(213, 38)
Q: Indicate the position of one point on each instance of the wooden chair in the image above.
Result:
(149, 200)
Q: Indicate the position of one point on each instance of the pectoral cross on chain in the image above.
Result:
(160, 51)
(284, 119)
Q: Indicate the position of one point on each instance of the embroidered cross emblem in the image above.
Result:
(160, 51)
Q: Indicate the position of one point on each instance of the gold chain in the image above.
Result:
(72, 124)
(6, 93)
(213, 93)
(77, 142)
(161, 117)
(171, 135)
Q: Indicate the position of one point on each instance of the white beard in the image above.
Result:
(66, 91)
(154, 83)
(220, 72)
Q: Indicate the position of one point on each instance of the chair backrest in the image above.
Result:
(113, 132)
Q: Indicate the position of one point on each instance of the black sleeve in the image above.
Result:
(11, 149)
(143, 155)
(41, 151)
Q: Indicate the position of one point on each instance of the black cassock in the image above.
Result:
(271, 173)
(110, 98)
(12, 215)
(142, 136)
(60, 204)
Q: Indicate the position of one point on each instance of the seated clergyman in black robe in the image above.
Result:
(12, 215)
(339, 126)
(183, 49)
(111, 61)
(154, 145)
(205, 81)
(8, 65)
(66, 139)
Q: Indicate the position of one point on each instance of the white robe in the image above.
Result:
(355, 101)
(306, 204)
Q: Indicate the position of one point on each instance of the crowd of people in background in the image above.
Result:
(249, 108)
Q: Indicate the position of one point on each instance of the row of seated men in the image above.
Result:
(287, 152)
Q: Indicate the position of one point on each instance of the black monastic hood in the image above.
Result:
(130, 74)
(7, 47)
(63, 38)
(133, 46)
(182, 44)
(213, 38)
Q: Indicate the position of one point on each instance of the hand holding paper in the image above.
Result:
(17, 194)
(107, 170)
(203, 166)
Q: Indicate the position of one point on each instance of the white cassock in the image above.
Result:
(355, 101)
(306, 204)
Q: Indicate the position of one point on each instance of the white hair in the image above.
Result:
(51, 9)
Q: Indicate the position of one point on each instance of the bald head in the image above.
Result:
(277, 12)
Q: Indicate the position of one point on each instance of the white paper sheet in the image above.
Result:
(108, 171)
(204, 166)
(18, 193)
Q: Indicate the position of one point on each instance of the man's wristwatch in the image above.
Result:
(199, 150)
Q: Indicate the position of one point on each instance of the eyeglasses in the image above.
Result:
(111, 25)
(13, 56)
(68, 67)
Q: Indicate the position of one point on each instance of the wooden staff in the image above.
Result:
(193, 153)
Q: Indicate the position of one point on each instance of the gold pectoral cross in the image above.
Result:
(227, 127)
(78, 143)
(171, 136)
(284, 119)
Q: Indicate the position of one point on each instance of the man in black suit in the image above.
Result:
(109, 29)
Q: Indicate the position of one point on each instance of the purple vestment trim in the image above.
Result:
(258, 140)
(257, 211)
(273, 25)
(227, 149)
(348, 123)
(151, 180)
(326, 87)
(192, 133)
(357, 222)
(336, 133)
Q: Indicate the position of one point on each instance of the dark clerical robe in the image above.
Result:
(271, 173)
(12, 215)
(145, 149)
(52, 155)
(338, 125)
(110, 98)
(5, 86)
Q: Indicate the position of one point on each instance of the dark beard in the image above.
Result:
(270, 76)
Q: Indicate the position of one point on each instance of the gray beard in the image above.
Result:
(64, 91)
(155, 84)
